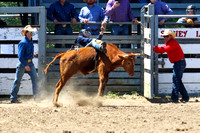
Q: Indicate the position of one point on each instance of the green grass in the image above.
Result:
(117, 95)
(112, 95)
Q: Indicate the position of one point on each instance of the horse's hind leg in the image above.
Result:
(61, 83)
(59, 87)
(66, 74)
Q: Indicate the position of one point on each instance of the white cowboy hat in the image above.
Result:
(28, 28)
(168, 32)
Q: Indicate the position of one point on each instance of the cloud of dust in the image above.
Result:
(69, 95)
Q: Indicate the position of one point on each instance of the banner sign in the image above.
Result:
(182, 32)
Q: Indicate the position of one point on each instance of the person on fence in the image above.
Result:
(62, 11)
(84, 40)
(120, 11)
(25, 55)
(90, 13)
(176, 56)
(161, 8)
(191, 22)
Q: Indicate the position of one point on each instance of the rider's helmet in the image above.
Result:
(84, 33)
(191, 8)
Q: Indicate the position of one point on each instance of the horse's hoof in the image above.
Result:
(100, 95)
(58, 104)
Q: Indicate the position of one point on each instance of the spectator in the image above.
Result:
(25, 55)
(176, 56)
(191, 22)
(62, 11)
(120, 11)
(90, 13)
(84, 40)
(161, 8)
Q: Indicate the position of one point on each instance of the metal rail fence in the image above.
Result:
(157, 68)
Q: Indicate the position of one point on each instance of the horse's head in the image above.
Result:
(128, 62)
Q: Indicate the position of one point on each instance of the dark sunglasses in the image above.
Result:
(165, 36)
(30, 32)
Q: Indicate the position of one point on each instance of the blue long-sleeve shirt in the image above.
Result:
(62, 13)
(25, 50)
(83, 41)
(161, 8)
(96, 13)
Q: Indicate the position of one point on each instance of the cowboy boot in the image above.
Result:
(103, 47)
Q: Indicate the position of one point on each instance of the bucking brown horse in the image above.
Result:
(82, 60)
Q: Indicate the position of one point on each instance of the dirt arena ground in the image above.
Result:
(83, 114)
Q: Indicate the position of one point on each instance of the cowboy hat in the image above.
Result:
(28, 28)
(168, 32)
(86, 0)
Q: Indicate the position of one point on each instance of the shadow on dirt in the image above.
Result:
(5, 99)
(159, 100)
(168, 100)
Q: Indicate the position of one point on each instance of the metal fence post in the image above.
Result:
(152, 27)
(148, 27)
(156, 56)
(142, 13)
(42, 47)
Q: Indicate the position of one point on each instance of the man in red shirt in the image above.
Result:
(176, 56)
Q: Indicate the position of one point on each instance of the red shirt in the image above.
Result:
(173, 49)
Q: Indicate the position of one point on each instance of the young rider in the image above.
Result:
(84, 40)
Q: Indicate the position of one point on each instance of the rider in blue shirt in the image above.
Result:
(90, 13)
(84, 40)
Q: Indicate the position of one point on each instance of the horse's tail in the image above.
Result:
(56, 57)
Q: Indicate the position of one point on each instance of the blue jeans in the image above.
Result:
(178, 86)
(59, 30)
(20, 70)
(94, 44)
(120, 30)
